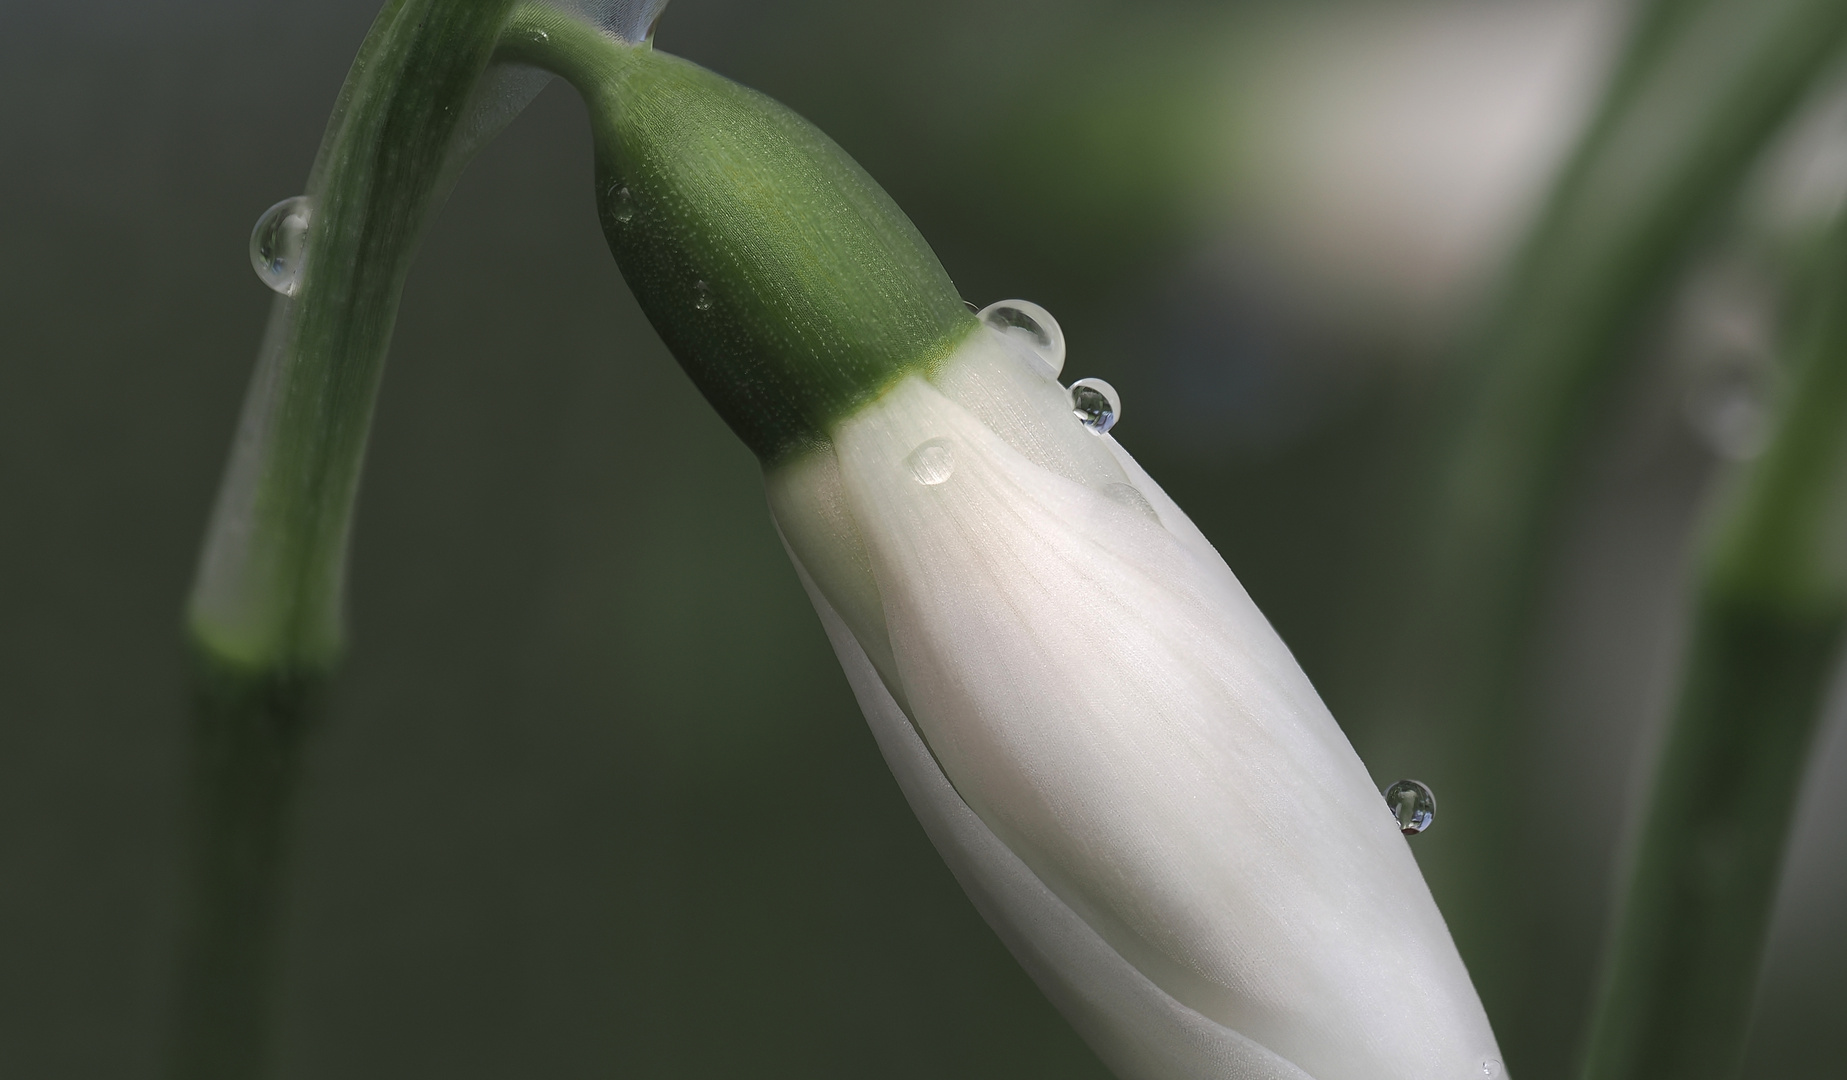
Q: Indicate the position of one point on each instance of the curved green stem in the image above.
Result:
(265, 611)
(268, 595)
(1704, 85)
(1770, 620)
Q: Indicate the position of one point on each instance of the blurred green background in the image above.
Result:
(591, 797)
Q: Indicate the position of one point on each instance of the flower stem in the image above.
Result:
(265, 616)
(269, 592)
(1702, 87)
(1770, 621)
(247, 741)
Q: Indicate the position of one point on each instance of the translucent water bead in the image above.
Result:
(1728, 404)
(279, 244)
(1033, 326)
(1096, 403)
(932, 463)
(1412, 805)
(621, 204)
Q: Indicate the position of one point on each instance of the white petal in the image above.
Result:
(1138, 1030)
(1094, 685)
(1107, 698)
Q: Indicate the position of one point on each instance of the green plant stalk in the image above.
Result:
(1704, 84)
(268, 597)
(247, 743)
(1770, 621)
(264, 618)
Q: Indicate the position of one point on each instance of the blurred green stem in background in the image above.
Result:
(265, 614)
(1702, 87)
(1769, 621)
(247, 742)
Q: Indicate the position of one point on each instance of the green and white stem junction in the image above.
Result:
(1111, 748)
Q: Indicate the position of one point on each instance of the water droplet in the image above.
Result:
(1724, 336)
(970, 305)
(1413, 807)
(1729, 404)
(540, 37)
(1096, 403)
(1491, 1067)
(702, 296)
(1033, 326)
(932, 462)
(279, 244)
(1127, 495)
(621, 205)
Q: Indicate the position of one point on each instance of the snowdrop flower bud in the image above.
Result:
(1112, 748)
(1109, 745)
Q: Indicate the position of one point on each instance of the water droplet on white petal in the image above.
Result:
(932, 463)
(1491, 1067)
(1414, 807)
(279, 244)
(1032, 326)
(702, 296)
(1129, 496)
(1096, 403)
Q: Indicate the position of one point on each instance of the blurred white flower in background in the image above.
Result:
(1391, 153)
(1353, 179)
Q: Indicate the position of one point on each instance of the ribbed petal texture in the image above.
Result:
(1114, 751)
